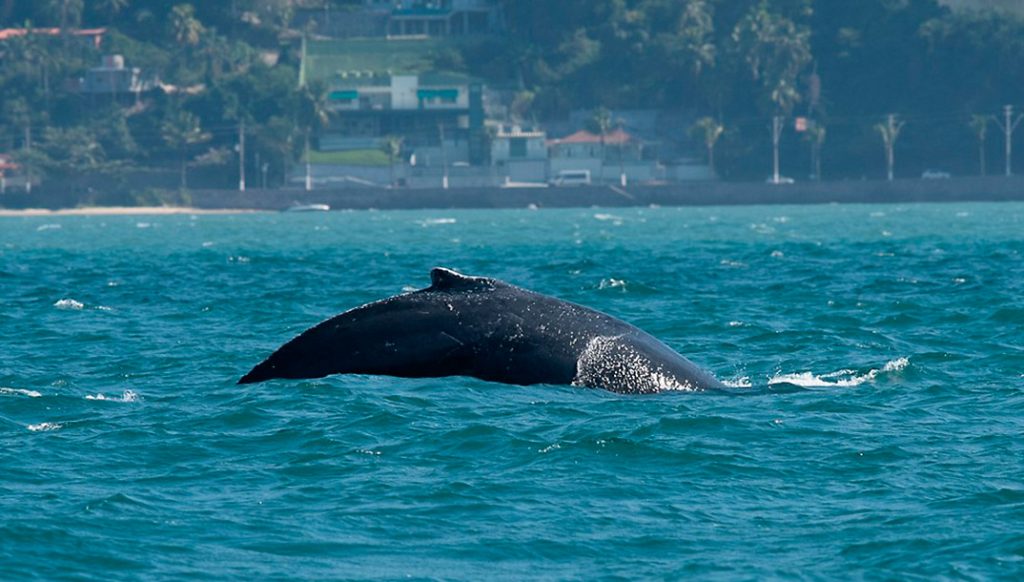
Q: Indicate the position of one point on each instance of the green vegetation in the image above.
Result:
(351, 158)
(732, 64)
(845, 64)
(327, 59)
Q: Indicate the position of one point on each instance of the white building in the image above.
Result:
(615, 158)
(519, 155)
(112, 76)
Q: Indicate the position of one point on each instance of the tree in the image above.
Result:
(890, 132)
(979, 123)
(709, 130)
(180, 132)
(775, 50)
(69, 12)
(816, 135)
(185, 27)
(111, 8)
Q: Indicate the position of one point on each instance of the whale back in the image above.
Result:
(488, 329)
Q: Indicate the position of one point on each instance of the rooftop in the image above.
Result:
(614, 137)
(9, 33)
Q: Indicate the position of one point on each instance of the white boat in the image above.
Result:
(308, 208)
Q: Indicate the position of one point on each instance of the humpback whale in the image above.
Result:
(487, 329)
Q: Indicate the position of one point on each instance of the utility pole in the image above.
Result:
(241, 155)
(776, 137)
(444, 156)
(1009, 124)
(309, 170)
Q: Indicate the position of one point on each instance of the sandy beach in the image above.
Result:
(118, 210)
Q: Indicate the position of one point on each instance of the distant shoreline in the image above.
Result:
(120, 211)
(203, 201)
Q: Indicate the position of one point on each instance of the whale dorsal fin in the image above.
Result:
(442, 279)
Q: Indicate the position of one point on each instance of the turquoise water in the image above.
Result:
(875, 429)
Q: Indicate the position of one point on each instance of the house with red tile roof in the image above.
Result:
(93, 36)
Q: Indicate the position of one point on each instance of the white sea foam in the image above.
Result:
(840, 378)
(69, 304)
(44, 426)
(127, 396)
(43, 227)
(608, 217)
(435, 221)
(741, 382)
(612, 284)
(20, 391)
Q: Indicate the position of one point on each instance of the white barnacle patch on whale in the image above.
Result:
(610, 361)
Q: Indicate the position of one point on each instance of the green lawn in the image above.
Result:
(350, 158)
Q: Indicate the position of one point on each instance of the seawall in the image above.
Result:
(995, 188)
(688, 194)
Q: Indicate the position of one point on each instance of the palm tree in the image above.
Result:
(70, 12)
(776, 50)
(185, 27)
(890, 131)
(180, 132)
(710, 131)
(816, 135)
(979, 123)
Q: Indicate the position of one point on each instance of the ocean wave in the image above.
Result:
(840, 378)
(435, 221)
(68, 303)
(613, 218)
(741, 382)
(127, 396)
(612, 283)
(20, 392)
(45, 426)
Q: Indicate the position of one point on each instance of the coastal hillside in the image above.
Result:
(126, 96)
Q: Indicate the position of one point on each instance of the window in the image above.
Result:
(517, 147)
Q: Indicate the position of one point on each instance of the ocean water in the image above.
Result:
(874, 429)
